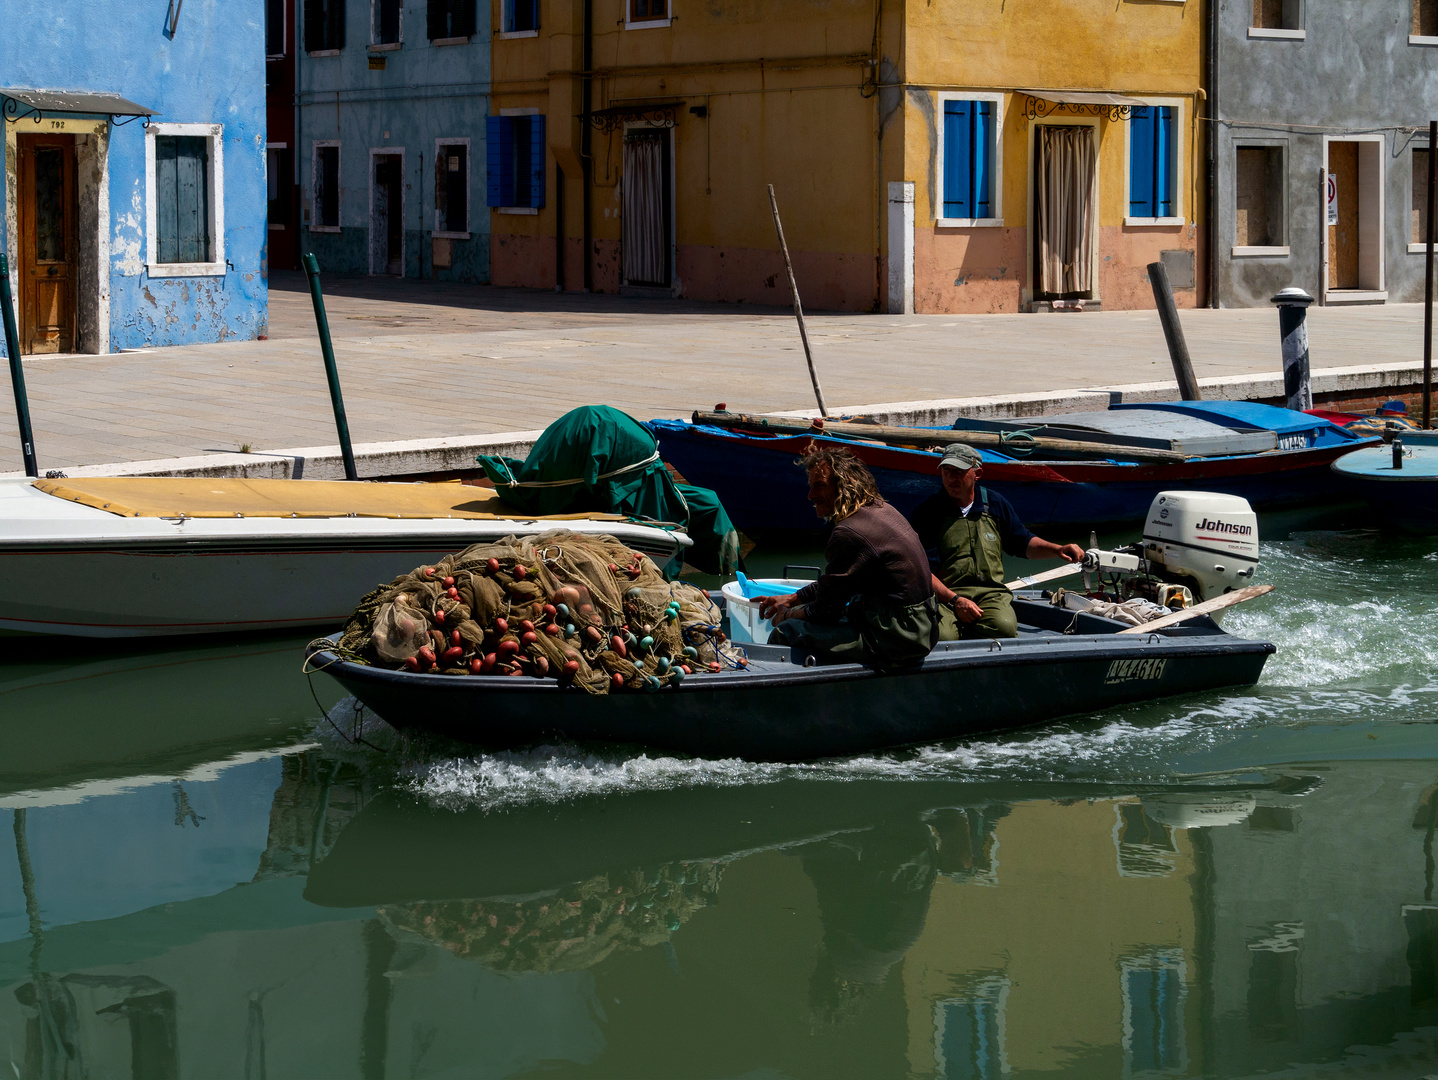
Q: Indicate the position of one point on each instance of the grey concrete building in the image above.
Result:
(1321, 147)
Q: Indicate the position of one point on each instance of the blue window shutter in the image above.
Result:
(983, 154)
(166, 208)
(1140, 162)
(192, 199)
(1163, 162)
(958, 173)
(494, 132)
(536, 161)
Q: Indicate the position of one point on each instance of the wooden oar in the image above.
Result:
(1047, 575)
(931, 437)
(1218, 603)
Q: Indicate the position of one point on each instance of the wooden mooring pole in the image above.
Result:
(798, 308)
(1173, 333)
(312, 271)
(17, 373)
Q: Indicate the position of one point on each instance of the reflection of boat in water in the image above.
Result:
(401, 849)
(155, 556)
(68, 719)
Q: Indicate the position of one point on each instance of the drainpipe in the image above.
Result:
(586, 164)
(1212, 223)
(558, 227)
(297, 201)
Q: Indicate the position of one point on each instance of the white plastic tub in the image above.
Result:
(745, 625)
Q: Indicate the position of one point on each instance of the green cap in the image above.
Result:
(960, 456)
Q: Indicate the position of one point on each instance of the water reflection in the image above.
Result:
(302, 912)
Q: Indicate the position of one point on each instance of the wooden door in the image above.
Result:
(1343, 237)
(48, 263)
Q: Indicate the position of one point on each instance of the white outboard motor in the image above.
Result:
(1206, 540)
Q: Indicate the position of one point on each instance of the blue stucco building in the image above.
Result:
(392, 103)
(134, 198)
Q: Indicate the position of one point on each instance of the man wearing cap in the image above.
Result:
(972, 529)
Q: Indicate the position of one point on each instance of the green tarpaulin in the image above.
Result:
(598, 458)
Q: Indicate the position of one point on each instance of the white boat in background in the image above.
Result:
(114, 557)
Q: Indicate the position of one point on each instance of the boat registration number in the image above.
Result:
(1120, 671)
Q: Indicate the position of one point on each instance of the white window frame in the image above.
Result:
(1376, 235)
(1272, 251)
(1419, 247)
(649, 24)
(447, 234)
(507, 6)
(1282, 33)
(996, 197)
(216, 266)
(530, 211)
(1159, 959)
(1180, 128)
(992, 990)
(374, 240)
(315, 179)
(375, 45)
(284, 29)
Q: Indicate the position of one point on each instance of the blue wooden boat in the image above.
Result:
(779, 708)
(1275, 458)
(1403, 498)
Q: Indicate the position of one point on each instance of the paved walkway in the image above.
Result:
(422, 360)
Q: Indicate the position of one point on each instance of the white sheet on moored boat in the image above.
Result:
(1187, 434)
(229, 497)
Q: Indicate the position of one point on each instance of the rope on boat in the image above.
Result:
(635, 467)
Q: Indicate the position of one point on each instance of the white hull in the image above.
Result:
(73, 570)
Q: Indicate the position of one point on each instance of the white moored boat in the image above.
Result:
(118, 557)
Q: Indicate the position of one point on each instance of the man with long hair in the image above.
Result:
(877, 575)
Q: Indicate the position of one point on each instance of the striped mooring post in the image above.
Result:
(1293, 329)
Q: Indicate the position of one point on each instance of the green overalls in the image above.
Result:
(971, 562)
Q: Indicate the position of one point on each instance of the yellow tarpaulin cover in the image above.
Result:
(203, 497)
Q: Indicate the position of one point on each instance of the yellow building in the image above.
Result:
(949, 156)
(1065, 941)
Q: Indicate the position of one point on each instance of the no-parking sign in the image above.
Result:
(1332, 199)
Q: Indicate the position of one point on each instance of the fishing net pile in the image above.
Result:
(580, 608)
(571, 930)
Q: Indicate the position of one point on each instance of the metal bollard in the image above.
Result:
(1293, 329)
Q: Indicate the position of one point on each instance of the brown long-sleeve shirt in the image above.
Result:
(873, 554)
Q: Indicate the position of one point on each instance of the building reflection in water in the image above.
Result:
(941, 930)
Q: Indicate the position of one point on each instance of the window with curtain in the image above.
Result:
(648, 10)
(1151, 162)
(182, 199)
(449, 19)
(515, 161)
(969, 148)
(324, 25)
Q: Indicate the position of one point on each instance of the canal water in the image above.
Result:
(202, 878)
